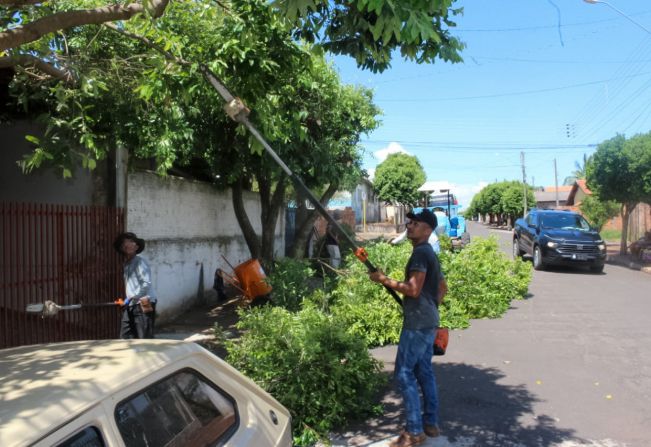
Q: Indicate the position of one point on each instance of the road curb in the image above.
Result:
(613, 260)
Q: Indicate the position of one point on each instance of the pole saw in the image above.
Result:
(239, 113)
(50, 308)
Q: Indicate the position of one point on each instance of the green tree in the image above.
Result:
(501, 200)
(130, 95)
(597, 211)
(621, 171)
(372, 31)
(398, 178)
(512, 199)
(34, 35)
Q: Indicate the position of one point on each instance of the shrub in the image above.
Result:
(366, 308)
(482, 281)
(290, 280)
(322, 374)
(445, 241)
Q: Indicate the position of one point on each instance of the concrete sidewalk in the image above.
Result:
(626, 260)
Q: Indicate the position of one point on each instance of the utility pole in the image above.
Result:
(556, 181)
(524, 182)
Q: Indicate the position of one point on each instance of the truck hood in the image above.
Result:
(572, 235)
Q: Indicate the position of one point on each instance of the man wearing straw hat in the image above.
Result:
(139, 311)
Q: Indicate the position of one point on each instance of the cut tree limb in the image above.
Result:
(28, 60)
(32, 31)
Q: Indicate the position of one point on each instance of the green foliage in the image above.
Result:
(598, 212)
(398, 178)
(502, 198)
(609, 174)
(365, 308)
(611, 235)
(445, 242)
(369, 31)
(372, 30)
(290, 280)
(324, 375)
(620, 170)
(132, 96)
(482, 282)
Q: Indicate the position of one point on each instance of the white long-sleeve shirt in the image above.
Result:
(137, 280)
(433, 241)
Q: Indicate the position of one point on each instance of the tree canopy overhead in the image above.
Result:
(34, 34)
(137, 89)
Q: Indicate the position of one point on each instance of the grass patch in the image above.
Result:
(611, 235)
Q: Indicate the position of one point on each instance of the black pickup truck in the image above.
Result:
(556, 237)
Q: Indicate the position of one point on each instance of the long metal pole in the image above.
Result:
(556, 181)
(242, 118)
(524, 182)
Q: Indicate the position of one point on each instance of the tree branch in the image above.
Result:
(148, 43)
(19, 3)
(63, 20)
(27, 60)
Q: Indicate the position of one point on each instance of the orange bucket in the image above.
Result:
(252, 279)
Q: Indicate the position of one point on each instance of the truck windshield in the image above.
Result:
(565, 222)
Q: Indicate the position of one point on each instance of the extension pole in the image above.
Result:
(239, 113)
(524, 184)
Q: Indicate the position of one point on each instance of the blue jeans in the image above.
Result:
(413, 369)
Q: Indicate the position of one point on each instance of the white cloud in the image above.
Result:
(392, 148)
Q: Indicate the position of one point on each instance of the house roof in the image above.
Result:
(567, 188)
(579, 184)
(584, 186)
(550, 196)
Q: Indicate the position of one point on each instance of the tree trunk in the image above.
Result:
(269, 219)
(626, 210)
(304, 231)
(250, 236)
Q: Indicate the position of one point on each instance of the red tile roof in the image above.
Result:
(584, 187)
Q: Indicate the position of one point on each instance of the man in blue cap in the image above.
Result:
(423, 290)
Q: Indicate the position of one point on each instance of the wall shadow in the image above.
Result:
(475, 407)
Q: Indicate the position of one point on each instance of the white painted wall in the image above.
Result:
(188, 226)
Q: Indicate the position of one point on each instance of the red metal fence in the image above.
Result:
(64, 254)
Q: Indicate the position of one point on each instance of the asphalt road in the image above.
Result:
(568, 366)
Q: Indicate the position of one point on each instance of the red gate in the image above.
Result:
(61, 253)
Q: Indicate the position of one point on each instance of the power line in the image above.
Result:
(542, 27)
(526, 92)
(438, 146)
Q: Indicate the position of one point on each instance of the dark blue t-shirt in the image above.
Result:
(421, 313)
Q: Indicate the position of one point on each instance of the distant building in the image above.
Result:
(546, 196)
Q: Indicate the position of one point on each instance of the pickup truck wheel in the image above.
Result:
(516, 249)
(537, 259)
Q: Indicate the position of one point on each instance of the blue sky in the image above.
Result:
(552, 78)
